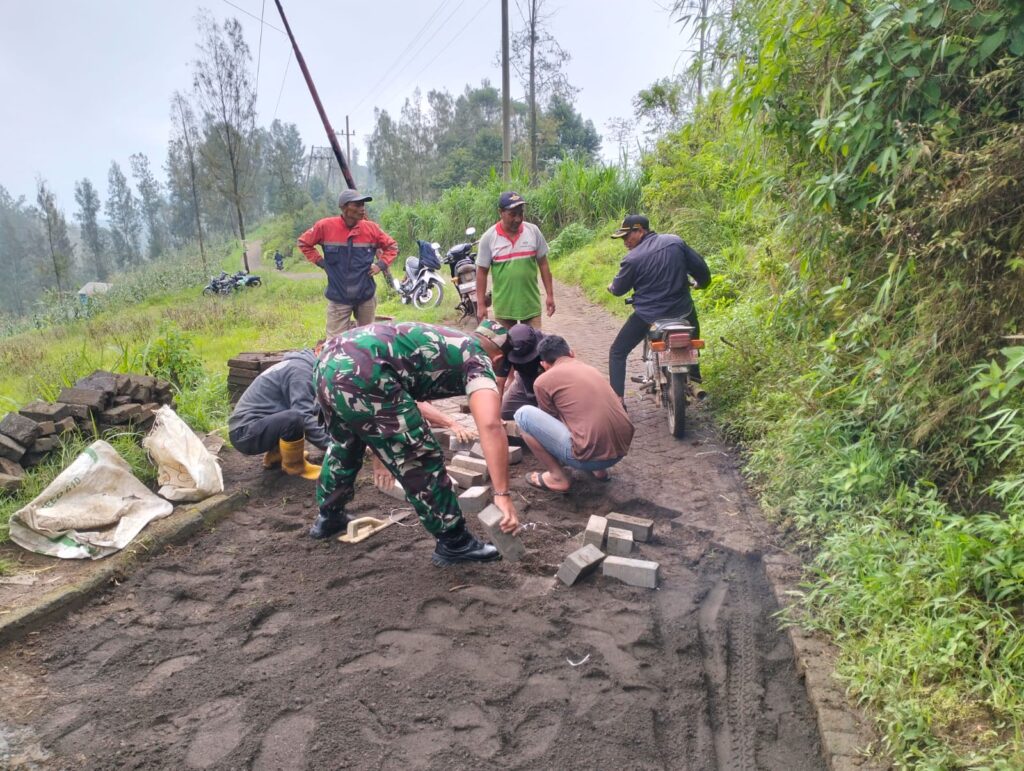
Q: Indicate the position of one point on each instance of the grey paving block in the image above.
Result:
(40, 410)
(642, 573)
(620, 542)
(45, 444)
(19, 428)
(84, 397)
(477, 450)
(642, 529)
(396, 491)
(512, 430)
(123, 413)
(475, 499)
(596, 528)
(515, 455)
(47, 428)
(457, 445)
(9, 483)
(468, 463)
(580, 564)
(11, 469)
(511, 548)
(465, 479)
(10, 449)
(65, 424)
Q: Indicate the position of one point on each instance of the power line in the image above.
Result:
(455, 37)
(254, 16)
(399, 59)
(284, 80)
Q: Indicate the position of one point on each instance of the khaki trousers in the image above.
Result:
(339, 315)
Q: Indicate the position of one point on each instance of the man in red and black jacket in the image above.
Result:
(355, 250)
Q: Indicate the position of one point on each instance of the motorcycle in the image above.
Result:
(670, 363)
(279, 260)
(422, 285)
(243, 279)
(461, 260)
(222, 284)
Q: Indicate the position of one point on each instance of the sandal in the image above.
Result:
(536, 479)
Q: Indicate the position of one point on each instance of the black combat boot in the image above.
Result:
(459, 545)
(328, 524)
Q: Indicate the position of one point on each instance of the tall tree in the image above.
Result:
(226, 96)
(152, 204)
(17, 235)
(539, 60)
(88, 200)
(284, 159)
(183, 174)
(123, 215)
(571, 135)
(58, 243)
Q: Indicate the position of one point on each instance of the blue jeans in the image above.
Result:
(556, 439)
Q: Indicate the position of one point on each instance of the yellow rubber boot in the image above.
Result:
(293, 460)
(272, 458)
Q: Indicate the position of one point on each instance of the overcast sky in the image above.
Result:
(86, 82)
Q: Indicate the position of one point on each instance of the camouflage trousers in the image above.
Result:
(393, 428)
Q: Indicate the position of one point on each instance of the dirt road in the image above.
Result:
(255, 647)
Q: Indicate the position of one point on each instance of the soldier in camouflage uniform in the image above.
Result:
(367, 383)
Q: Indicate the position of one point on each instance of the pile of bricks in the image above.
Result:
(616, 534)
(96, 403)
(245, 367)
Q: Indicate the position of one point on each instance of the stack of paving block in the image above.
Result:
(245, 367)
(616, 535)
(96, 403)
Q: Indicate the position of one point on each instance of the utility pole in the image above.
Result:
(506, 101)
(348, 144)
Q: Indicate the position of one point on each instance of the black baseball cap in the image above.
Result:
(632, 222)
(510, 200)
(523, 339)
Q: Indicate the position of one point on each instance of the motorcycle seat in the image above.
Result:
(661, 326)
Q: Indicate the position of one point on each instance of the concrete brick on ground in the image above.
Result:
(11, 469)
(620, 542)
(642, 529)
(511, 548)
(643, 573)
(441, 435)
(84, 397)
(580, 564)
(45, 444)
(597, 526)
(457, 445)
(47, 428)
(10, 449)
(469, 463)
(9, 483)
(396, 491)
(512, 430)
(475, 499)
(477, 450)
(40, 410)
(465, 479)
(515, 455)
(22, 430)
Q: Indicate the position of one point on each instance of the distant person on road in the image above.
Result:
(579, 421)
(277, 413)
(354, 251)
(278, 259)
(368, 381)
(657, 268)
(515, 251)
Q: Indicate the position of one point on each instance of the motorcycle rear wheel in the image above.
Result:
(430, 296)
(675, 401)
(208, 291)
(255, 282)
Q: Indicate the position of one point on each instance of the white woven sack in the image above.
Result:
(93, 508)
(186, 471)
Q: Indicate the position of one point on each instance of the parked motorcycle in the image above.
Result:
(243, 279)
(461, 260)
(222, 284)
(279, 260)
(670, 362)
(422, 284)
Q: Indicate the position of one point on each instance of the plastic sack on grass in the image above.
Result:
(186, 471)
(94, 508)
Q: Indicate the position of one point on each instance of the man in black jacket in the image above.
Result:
(657, 269)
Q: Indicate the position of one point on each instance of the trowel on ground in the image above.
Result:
(362, 528)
